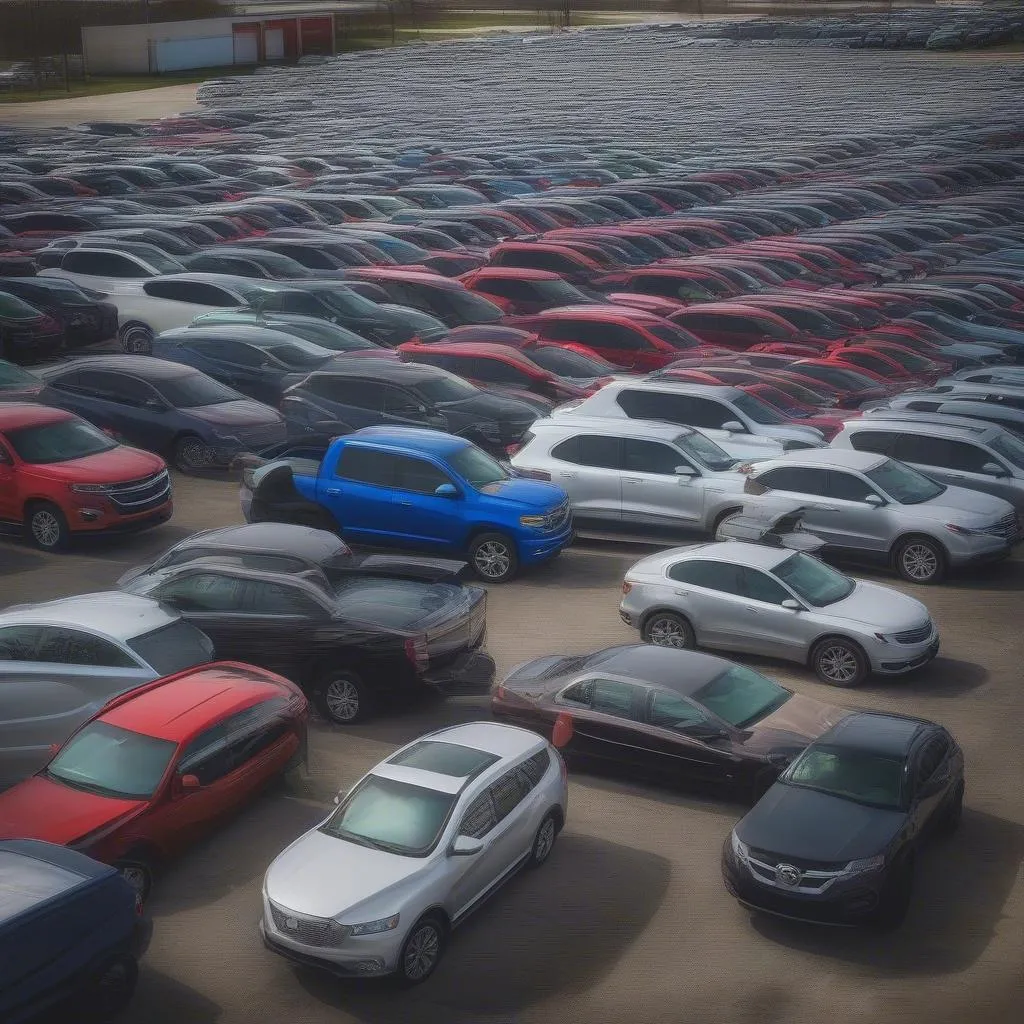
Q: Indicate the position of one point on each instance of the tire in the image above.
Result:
(138, 874)
(343, 698)
(422, 950)
(951, 816)
(667, 629)
(136, 337)
(47, 527)
(921, 560)
(544, 840)
(109, 991)
(839, 662)
(720, 518)
(894, 899)
(191, 454)
(493, 557)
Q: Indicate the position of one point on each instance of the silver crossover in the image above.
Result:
(60, 661)
(634, 472)
(415, 845)
(780, 603)
(870, 507)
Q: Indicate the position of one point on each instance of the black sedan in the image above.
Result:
(27, 334)
(352, 644)
(84, 317)
(834, 840)
(671, 713)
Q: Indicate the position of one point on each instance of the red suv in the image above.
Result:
(520, 290)
(60, 475)
(159, 765)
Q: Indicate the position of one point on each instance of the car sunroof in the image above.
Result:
(450, 759)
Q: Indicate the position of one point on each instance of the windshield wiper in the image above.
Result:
(90, 787)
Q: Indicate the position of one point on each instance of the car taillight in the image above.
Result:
(499, 693)
(626, 587)
(416, 651)
(511, 449)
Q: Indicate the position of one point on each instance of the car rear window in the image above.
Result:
(173, 648)
(451, 759)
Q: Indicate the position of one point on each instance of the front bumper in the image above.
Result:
(372, 956)
(540, 547)
(896, 659)
(96, 518)
(978, 550)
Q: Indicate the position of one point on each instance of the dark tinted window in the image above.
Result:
(103, 264)
(173, 648)
(685, 410)
(479, 818)
(206, 592)
(279, 599)
(847, 487)
(798, 480)
(759, 586)
(73, 647)
(720, 576)
(882, 442)
(492, 371)
(506, 793)
(359, 394)
(207, 756)
(928, 759)
(939, 451)
(872, 363)
(367, 466)
(534, 768)
(670, 711)
(590, 450)
(651, 457)
(418, 475)
(598, 335)
(20, 643)
(609, 696)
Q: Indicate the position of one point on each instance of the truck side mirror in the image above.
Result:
(446, 491)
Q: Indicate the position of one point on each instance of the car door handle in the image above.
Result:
(405, 504)
(826, 508)
(681, 593)
(634, 479)
(334, 491)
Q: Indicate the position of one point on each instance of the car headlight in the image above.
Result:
(740, 849)
(535, 521)
(964, 531)
(863, 866)
(383, 924)
(885, 638)
(90, 488)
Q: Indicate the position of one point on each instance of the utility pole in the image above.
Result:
(567, 13)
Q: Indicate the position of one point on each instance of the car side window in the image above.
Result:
(132, 391)
(651, 457)
(721, 576)
(257, 729)
(20, 643)
(881, 442)
(759, 586)
(207, 757)
(479, 818)
(670, 711)
(495, 371)
(590, 450)
(507, 793)
(398, 402)
(797, 480)
(73, 647)
(241, 355)
(204, 592)
(609, 696)
(928, 759)
(418, 475)
(942, 452)
(345, 391)
(102, 264)
(265, 598)
(847, 486)
(367, 466)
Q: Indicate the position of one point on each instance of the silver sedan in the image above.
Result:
(780, 603)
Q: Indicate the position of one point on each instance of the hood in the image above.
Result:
(242, 412)
(805, 824)
(789, 729)
(965, 507)
(878, 608)
(486, 405)
(321, 876)
(119, 465)
(41, 809)
(534, 494)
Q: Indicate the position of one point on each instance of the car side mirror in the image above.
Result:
(993, 469)
(734, 427)
(466, 846)
(792, 604)
(874, 500)
(190, 783)
(446, 491)
(685, 471)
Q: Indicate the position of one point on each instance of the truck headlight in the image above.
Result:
(383, 924)
(536, 522)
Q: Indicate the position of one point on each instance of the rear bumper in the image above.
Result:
(470, 672)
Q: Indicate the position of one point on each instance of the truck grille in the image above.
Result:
(1007, 527)
(557, 517)
(310, 931)
(914, 636)
(141, 495)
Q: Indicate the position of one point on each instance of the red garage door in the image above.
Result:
(317, 36)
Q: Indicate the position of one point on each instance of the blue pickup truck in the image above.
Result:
(419, 489)
(71, 932)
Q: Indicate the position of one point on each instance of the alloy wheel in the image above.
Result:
(838, 664)
(919, 561)
(545, 840)
(421, 952)
(46, 528)
(138, 340)
(492, 559)
(342, 700)
(667, 633)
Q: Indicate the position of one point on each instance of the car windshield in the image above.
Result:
(447, 388)
(347, 302)
(298, 356)
(476, 467)
(904, 484)
(758, 411)
(741, 696)
(191, 390)
(567, 363)
(114, 762)
(908, 359)
(817, 583)
(12, 376)
(395, 817)
(560, 291)
(59, 442)
(673, 335)
(704, 451)
(14, 308)
(455, 301)
(858, 775)
(1006, 445)
(173, 648)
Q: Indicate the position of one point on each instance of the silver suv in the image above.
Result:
(966, 453)
(713, 409)
(635, 472)
(868, 506)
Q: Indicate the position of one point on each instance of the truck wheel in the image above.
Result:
(47, 527)
(343, 697)
(494, 557)
(110, 990)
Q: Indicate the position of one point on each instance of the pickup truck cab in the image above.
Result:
(71, 930)
(421, 489)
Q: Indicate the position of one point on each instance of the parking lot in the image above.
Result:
(629, 920)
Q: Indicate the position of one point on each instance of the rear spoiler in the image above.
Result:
(779, 526)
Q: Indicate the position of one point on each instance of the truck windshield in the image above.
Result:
(110, 761)
(476, 467)
(59, 442)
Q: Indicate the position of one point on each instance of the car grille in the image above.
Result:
(557, 517)
(914, 636)
(1007, 527)
(141, 495)
(310, 931)
(772, 860)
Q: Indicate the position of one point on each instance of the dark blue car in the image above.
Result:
(71, 933)
(175, 410)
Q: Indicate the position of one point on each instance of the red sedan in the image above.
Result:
(161, 764)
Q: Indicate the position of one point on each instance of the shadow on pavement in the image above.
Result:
(162, 1000)
(944, 677)
(960, 887)
(546, 932)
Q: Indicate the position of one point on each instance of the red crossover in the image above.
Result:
(159, 765)
(60, 475)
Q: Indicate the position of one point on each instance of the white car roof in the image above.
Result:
(506, 741)
(656, 429)
(757, 556)
(112, 614)
(825, 458)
